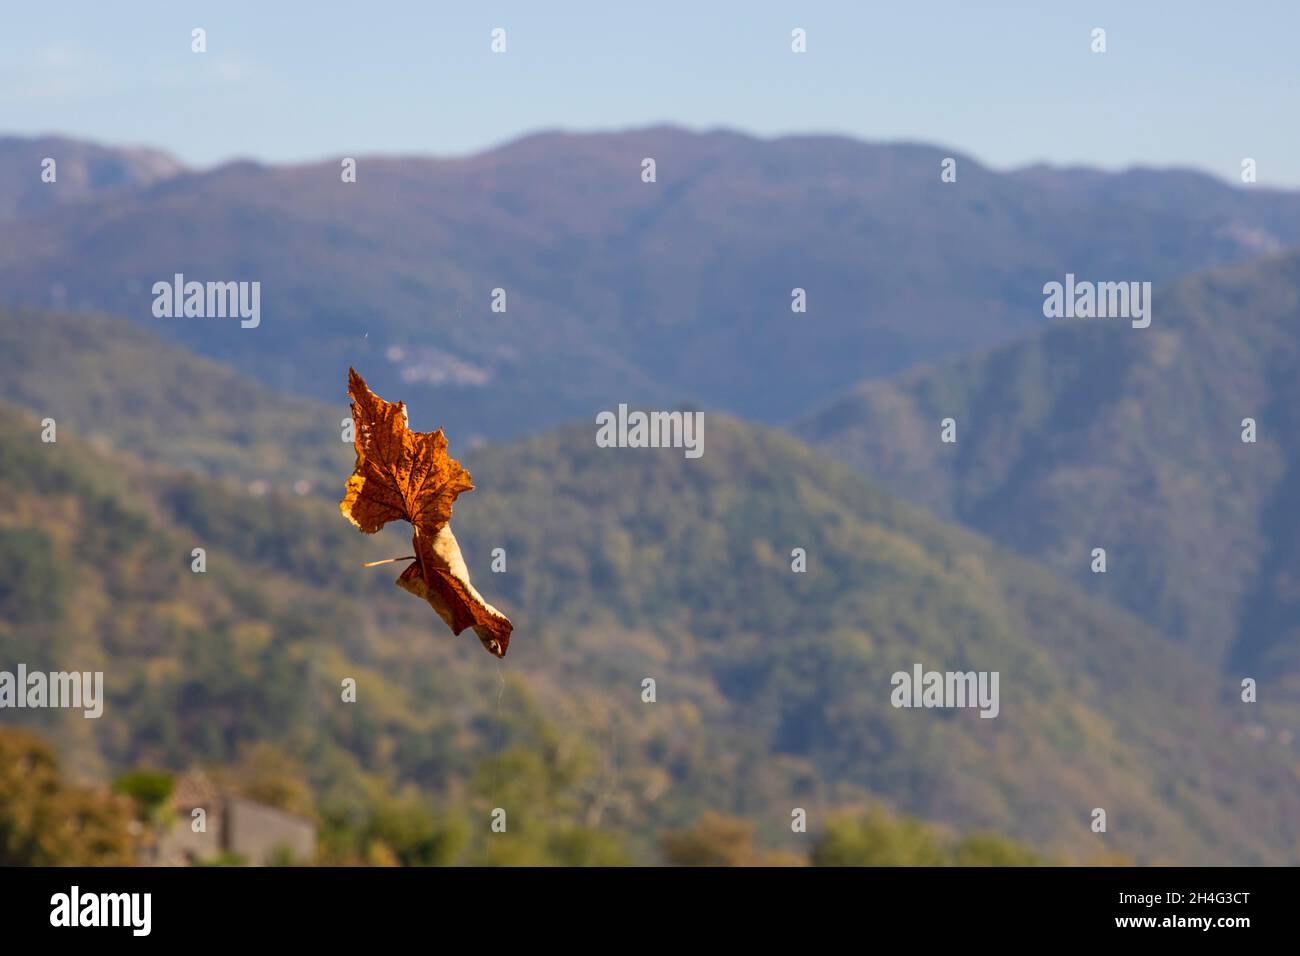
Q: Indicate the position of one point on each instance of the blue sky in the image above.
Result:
(1196, 84)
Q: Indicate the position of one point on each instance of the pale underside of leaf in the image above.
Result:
(440, 576)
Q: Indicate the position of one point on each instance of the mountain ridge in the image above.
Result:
(84, 169)
(620, 290)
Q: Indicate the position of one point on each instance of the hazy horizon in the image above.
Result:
(956, 149)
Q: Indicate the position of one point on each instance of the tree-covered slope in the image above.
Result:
(772, 687)
(118, 385)
(1092, 434)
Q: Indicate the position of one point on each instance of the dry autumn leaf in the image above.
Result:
(402, 475)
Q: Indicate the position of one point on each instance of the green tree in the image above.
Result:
(877, 839)
(33, 586)
(992, 849)
(149, 789)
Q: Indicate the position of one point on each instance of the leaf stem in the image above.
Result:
(374, 564)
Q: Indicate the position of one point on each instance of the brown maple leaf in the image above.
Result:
(403, 475)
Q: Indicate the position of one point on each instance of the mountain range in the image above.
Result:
(616, 289)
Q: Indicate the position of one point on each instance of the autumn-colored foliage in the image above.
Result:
(403, 475)
(46, 820)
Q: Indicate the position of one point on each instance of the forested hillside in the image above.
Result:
(773, 687)
(1092, 434)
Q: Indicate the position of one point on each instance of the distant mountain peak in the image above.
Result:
(82, 170)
